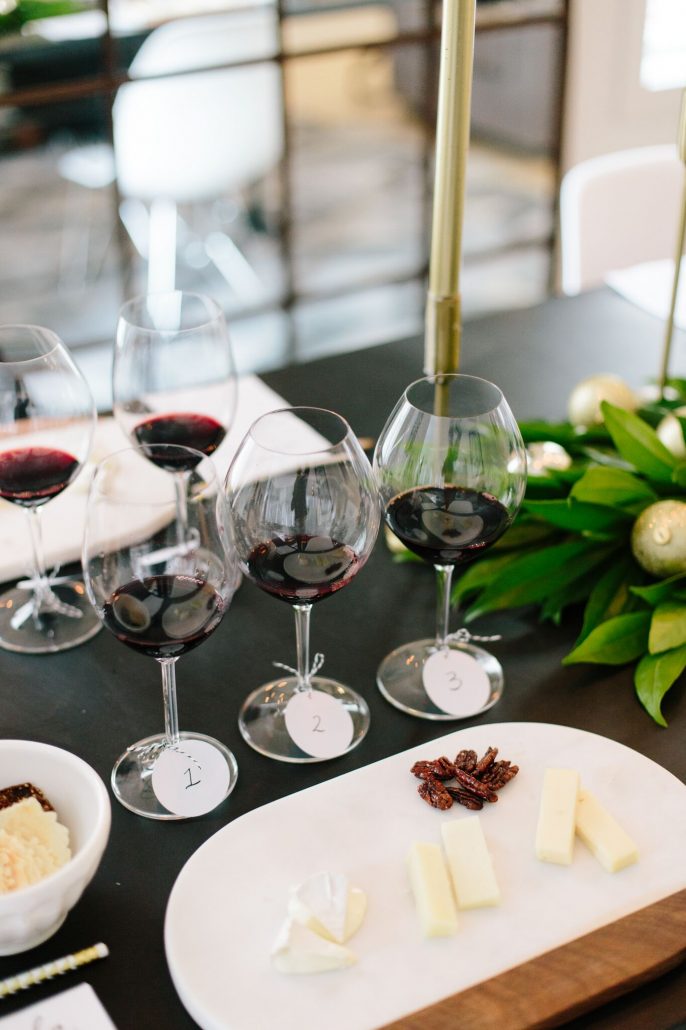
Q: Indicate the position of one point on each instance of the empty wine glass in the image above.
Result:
(305, 514)
(160, 576)
(451, 469)
(47, 418)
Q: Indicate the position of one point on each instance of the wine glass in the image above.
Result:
(451, 469)
(47, 418)
(305, 514)
(160, 576)
(173, 379)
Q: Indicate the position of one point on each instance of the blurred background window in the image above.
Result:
(276, 155)
(663, 62)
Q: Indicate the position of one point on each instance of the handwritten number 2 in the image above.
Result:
(317, 724)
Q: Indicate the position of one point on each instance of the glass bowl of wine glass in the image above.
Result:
(451, 469)
(47, 418)
(305, 514)
(160, 574)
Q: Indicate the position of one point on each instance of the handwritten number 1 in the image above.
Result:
(191, 781)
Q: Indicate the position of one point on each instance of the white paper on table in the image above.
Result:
(63, 518)
(649, 286)
(79, 1008)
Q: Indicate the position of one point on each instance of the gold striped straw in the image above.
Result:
(21, 981)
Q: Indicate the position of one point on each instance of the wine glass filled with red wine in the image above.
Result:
(160, 574)
(451, 470)
(305, 514)
(173, 378)
(47, 418)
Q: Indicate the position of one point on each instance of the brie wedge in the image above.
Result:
(602, 834)
(329, 906)
(469, 863)
(557, 816)
(299, 950)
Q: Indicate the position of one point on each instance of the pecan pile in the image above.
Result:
(476, 779)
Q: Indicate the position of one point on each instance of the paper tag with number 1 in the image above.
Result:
(319, 724)
(456, 683)
(190, 778)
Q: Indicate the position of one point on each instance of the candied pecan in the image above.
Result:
(440, 769)
(486, 760)
(435, 793)
(463, 797)
(473, 785)
(466, 760)
(502, 776)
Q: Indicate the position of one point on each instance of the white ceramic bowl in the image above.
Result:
(32, 914)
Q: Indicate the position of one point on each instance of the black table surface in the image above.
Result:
(100, 697)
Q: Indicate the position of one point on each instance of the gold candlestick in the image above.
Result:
(443, 325)
(669, 328)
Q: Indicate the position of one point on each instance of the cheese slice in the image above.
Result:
(469, 863)
(328, 905)
(431, 888)
(557, 816)
(298, 949)
(602, 834)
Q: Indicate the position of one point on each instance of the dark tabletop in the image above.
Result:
(99, 698)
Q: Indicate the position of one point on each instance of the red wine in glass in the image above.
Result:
(302, 569)
(447, 525)
(30, 476)
(185, 429)
(163, 616)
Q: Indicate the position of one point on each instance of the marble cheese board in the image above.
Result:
(230, 899)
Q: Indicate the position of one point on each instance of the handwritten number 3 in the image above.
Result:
(317, 724)
(454, 678)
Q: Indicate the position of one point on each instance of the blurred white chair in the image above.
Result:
(616, 211)
(196, 136)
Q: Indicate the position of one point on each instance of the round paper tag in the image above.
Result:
(456, 683)
(190, 778)
(319, 724)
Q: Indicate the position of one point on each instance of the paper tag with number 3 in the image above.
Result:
(319, 724)
(190, 778)
(456, 683)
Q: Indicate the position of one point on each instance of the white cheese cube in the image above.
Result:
(469, 863)
(602, 834)
(299, 950)
(431, 888)
(557, 816)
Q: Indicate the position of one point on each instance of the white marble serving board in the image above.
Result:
(230, 898)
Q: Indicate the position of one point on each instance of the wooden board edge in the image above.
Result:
(570, 980)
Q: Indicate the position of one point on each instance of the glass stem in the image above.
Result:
(181, 497)
(171, 715)
(302, 643)
(41, 586)
(444, 578)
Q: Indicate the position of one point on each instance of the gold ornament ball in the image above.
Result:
(583, 408)
(669, 432)
(658, 539)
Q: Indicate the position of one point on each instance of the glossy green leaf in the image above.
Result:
(563, 433)
(580, 517)
(524, 533)
(667, 627)
(613, 487)
(638, 443)
(610, 595)
(654, 675)
(478, 575)
(655, 593)
(554, 605)
(614, 642)
(533, 576)
(679, 475)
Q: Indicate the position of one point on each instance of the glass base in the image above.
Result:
(55, 632)
(132, 775)
(399, 678)
(262, 724)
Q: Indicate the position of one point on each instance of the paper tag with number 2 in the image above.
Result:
(319, 724)
(190, 778)
(456, 683)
